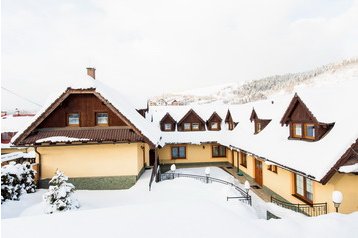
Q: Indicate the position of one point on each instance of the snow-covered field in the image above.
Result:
(176, 208)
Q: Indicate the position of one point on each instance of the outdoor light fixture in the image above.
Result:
(337, 198)
(207, 173)
(173, 168)
(247, 186)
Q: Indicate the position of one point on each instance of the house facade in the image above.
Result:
(92, 135)
(299, 148)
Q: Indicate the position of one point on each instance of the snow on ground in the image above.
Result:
(182, 207)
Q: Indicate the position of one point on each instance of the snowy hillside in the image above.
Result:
(261, 88)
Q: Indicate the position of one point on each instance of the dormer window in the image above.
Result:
(303, 130)
(309, 131)
(297, 130)
(167, 127)
(187, 127)
(102, 119)
(73, 119)
(195, 126)
(214, 126)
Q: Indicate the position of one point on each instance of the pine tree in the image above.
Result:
(60, 194)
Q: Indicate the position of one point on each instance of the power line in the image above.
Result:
(20, 96)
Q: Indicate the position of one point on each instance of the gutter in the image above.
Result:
(40, 164)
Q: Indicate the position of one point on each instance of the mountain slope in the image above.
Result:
(258, 89)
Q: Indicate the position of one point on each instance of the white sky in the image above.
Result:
(145, 48)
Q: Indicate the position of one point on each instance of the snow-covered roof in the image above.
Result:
(17, 155)
(109, 94)
(329, 102)
(11, 123)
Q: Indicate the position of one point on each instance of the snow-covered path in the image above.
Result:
(177, 208)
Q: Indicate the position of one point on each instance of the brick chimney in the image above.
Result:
(91, 72)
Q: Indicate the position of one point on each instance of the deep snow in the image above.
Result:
(176, 208)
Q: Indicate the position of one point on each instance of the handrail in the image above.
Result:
(245, 195)
(314, 209)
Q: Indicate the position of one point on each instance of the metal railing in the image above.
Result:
(315, 209)
(245, 197)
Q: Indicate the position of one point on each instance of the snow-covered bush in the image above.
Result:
(16, 179)
(60, 194)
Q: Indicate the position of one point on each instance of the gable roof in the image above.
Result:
(295, 100)
(253, 115)
(167, 115)
(214, 115)
(110, 97)
(191, 111)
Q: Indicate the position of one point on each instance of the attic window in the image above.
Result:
(167, 127)
(309, 131)
(214, 126)
(258, 127)
(73, 119)
(297, 130)
(102, 119)
(187, 126)
(195, 126)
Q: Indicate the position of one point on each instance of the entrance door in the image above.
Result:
(258, 172)
(151, 157)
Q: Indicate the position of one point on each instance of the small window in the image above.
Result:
(218, 151)
(178, 152)
(243, 159)
(230, 126)
(272, 168)
(214, 126)
(304, 188)
(309, 131)
(297, 130)
(102, 119)
(195, 126)
(73, 119)
(167, 127)
(258, 127)
(187, 127)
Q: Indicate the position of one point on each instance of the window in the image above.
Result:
(73, 119)
(195, 126)
(178, 152)
(309, 131)
(187, 127)
(230, 126)
(272, 168)
(243, 159)
(304, 188)
(258, 127)
(214, 126)
(167, 127)
(218, 151)
(297, 130)
(102, 119)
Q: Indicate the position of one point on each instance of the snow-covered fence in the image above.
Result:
(245, 197)
(315, 209)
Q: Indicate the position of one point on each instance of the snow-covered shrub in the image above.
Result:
(60, 194)
(16, 179)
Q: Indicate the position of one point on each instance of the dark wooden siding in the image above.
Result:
(300, 114)
(192, 118)
(167, 119)
(214, 118)
(85, 104)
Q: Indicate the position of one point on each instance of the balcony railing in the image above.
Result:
(315, 209)
(245, 197)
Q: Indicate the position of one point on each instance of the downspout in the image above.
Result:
(39, 172)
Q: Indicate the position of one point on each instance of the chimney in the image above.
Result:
(91, 72)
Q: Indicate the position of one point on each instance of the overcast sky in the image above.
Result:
(150, 47)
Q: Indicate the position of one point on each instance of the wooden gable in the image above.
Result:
(214, 118)
(167, 119)
(228, 118)
(348, 158)
(259, 124)
(191, 117)
(87, 105)
(298, 113)
(125, 130)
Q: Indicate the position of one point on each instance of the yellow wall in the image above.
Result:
(345, 183)
(194, 154)
(250, 169)
(92, 160)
